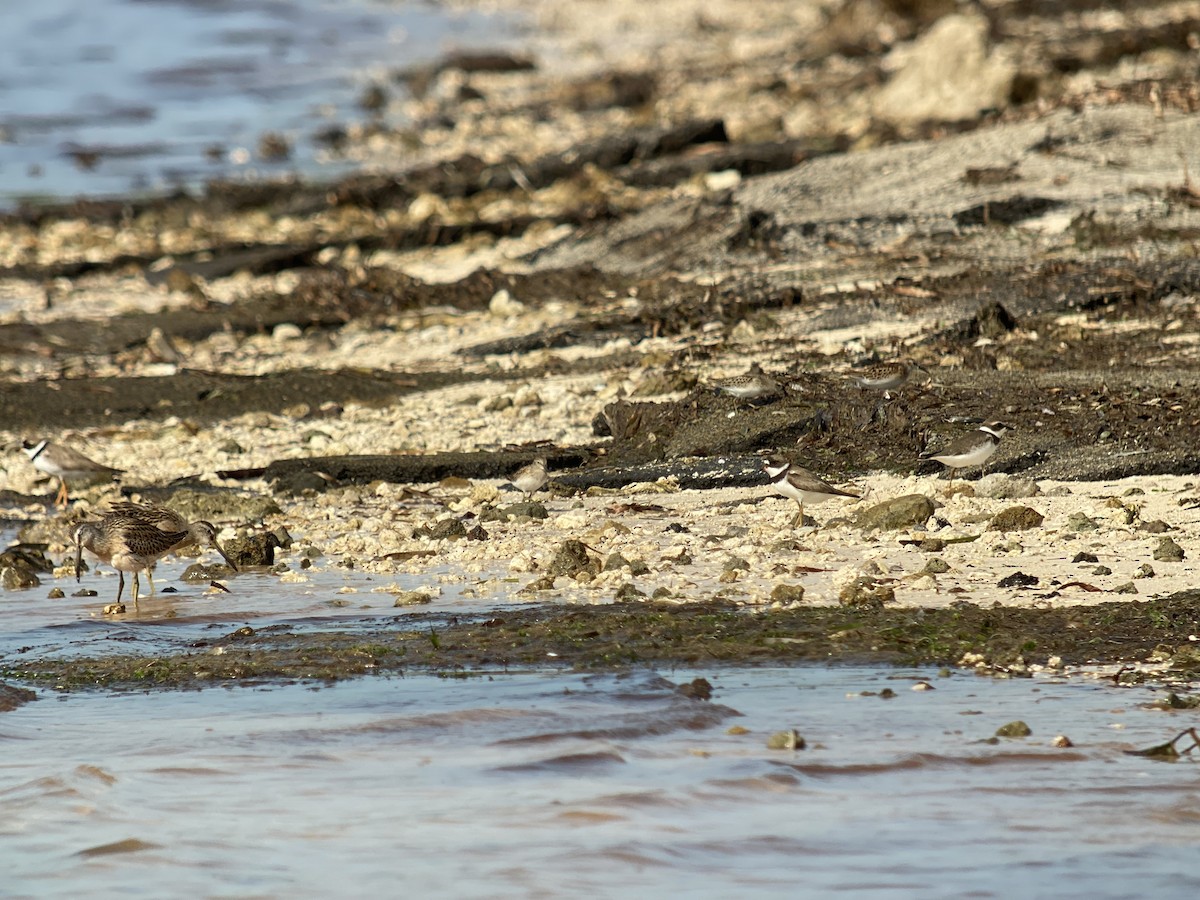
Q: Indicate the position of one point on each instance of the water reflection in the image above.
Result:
(118, 96)
(549, 784)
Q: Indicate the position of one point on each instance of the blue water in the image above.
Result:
(567, 785)
(153, 84)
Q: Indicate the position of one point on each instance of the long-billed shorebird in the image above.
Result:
(131, 543)
(201, 533)
(62, 462)
(800, 485)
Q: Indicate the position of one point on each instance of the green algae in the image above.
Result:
(612, 637)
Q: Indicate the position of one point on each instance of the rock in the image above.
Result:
(909, 511)
(212, 504)
(866, 591)
(477, 534)
(15, 575)
(696, 689)
(1168, 551)
(571, 558)
(1158, 526)
(935, 565)
(615, 561)
(1016, 518)
(947, 74)
(12, 697)
(1061, 740)
(528, 508)
(1077, 521)
(1000, 486)
(545, 583)
(1127, 588)
(286, 331)
(1102, 570)
(1145, 570)
(638, 567)
(413, 598)
(251, 550)
(1014, 729)
(736, 564)
(787, 593)
(1017, 579)
(55, 594)
(202, 573)
(443, 529)
(502, 305)
(786, 740)
(627, 592)
(1085, 558)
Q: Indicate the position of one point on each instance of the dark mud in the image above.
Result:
(1007, 640)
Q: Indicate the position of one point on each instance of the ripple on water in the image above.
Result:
(551, 784)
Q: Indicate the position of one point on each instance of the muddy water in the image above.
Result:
(541, 784)
(119, 96)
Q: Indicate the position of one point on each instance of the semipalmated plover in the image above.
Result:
(62, 462)
(800, 484)
(973, 449)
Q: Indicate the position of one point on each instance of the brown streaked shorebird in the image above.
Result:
(972, 449)
(126, 544)
(800, 484)
(885, 376)
(754, 385)
(529, 479)
(201, 533)
(62, 462)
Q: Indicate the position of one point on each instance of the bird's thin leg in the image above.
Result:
(799, 519)
(120, 584)
(60, 498)
(136, 585)
(150, 575)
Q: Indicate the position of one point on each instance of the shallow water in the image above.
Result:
(543, 784)
(152, 85)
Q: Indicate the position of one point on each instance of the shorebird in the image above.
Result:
(800, 484)
(529, 479)
(126, 544)
(754, 385)
(62, 462)
(884, 377)
(201, 533)
(972, 449)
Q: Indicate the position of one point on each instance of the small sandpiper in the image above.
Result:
(800, 485)
(62, 462)
(754, 385)
(972, 449)
(885, 377)
(529, 479)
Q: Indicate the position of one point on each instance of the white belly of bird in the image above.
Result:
(806, 497)
(975, 457)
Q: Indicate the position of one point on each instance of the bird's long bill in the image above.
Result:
(78, 559)
(225, 556)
